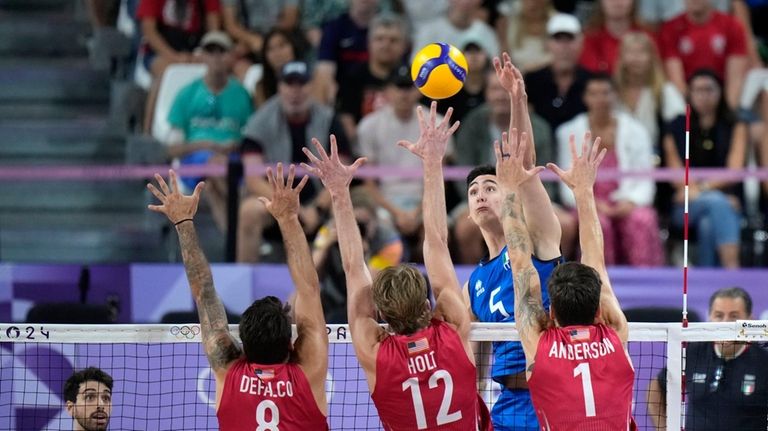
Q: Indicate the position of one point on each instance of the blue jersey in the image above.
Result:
(492, 298)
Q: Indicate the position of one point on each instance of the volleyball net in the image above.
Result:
(163, 382)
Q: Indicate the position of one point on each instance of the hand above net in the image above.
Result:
(175, 205)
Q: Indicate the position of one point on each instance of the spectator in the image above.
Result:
(315, 13)
(381, 244)
(474, 147)
(207, 117)
(752, 14)
(453, 28)
(387, 40)
(472, 93)
(88, 398)
(725, 381)
(643, 89)
(522, 30)
(717, 140)
(378, 135)
(172, 29)
(280, 47)
(703, 38)
(629, 221)
(556, 90)
(655, 12)
(277, 132)
(343, 48)
(421, 12)
(611, 20)
(248, 22)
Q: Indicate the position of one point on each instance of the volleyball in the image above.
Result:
(438, 70)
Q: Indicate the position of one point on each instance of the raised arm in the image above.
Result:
(581, 179)
(543, 225)
(311, 346)
(219, 345)
(530, 318)
(431, 148)
(360, 310)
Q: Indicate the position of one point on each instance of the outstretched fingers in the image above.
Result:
(163, 185)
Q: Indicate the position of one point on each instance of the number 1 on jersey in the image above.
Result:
(586, 385)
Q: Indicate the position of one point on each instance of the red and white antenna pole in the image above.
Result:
(685, 258)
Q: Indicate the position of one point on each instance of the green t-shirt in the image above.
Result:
(204, 116)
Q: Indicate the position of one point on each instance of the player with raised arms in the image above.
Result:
(421, 375)
(268, 384)
(579, 372)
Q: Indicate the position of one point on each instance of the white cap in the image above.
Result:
(563, 23)
(218, 38)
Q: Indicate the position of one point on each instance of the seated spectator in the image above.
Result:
(629, 221)
(725, 381)
(315, 13)
(474, 147)
(381, 244)
(172, 29)
(555, 91)
(656, 12)
(643, 89)
(248, 22)
(421, 12)
(378, 135)
(717, 140)
(277, 132)
(522, 30)
(280, 48)
(453, 28)
(472, 93)
(343, 49)
(387, 42)
(703, 38)
(611, 20)
(207, 117)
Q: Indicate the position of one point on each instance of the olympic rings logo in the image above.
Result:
(188, 332)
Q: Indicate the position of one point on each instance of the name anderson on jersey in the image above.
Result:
(257, 386)
(581, 351)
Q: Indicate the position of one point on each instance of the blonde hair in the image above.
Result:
(399, 293)
(523, 26)
(654, 77)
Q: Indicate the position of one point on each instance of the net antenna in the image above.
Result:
(684, 345)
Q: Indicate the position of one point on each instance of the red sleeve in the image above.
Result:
(212, 6)
(150, 9)
(737, 38)
(588, 58)
(668, 40)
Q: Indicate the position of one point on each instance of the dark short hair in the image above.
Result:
(574, 293)
(72, 385)
(600, 77)
(478, 171)
(265, 330)
(733, 293)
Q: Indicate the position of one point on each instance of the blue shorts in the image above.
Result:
(196, 158)
(513, 411)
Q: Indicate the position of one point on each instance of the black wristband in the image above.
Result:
(182, 221)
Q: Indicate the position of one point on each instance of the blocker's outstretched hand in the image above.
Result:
(175, 205)
(583, 171)
(335, 175)
(510, 166)
(285, 197)
(434, 136)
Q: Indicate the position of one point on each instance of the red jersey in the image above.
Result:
(600, 51)
(425, 381)
(703, 46)
(165, 13)
(582, 379)
(268, 397)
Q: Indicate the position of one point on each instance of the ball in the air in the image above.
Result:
(438, 70)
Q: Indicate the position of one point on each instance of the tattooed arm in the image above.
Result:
(530, 317)
(219, 345)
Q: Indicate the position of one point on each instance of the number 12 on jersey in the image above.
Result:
(443, 416)
(586, 385)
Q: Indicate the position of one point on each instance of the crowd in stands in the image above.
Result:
(623, 69)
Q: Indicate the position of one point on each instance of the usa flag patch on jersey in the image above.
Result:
(264, 374)
(418, 346)
(579, 334)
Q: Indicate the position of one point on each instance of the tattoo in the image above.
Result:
(219, 345)
(517, 239)
(508, 207)
(516, 234)
(529, 311)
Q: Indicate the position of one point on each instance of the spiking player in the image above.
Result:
(579, 373)
(269, 384)
(421, 377)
